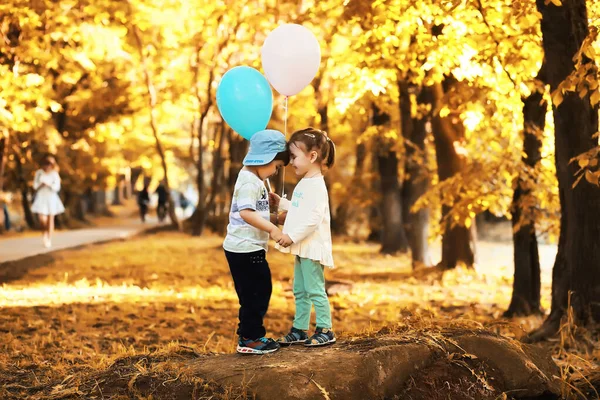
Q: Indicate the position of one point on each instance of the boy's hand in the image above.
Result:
(274, 199)
(276, 234)
(285, 241)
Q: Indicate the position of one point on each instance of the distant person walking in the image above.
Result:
(143, 199)
(7, 224)
(47, 204)
(161, 208)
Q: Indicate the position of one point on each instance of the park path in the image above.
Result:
(13, 249)
(122, 225)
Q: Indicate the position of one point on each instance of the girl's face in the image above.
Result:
(301, 160)
(48, 166)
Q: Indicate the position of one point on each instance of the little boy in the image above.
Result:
(250, 226)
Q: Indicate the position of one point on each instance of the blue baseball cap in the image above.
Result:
(264, 146)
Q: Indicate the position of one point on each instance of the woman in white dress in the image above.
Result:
(47, 204)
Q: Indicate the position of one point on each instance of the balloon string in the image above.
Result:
(285, 108)
(285, 117)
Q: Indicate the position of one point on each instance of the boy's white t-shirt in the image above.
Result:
(250, 193)
(308, 222)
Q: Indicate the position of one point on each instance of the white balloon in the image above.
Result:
(291, 57)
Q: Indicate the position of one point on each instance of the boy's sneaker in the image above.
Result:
(322, 337)
(296, 336)
(262, 345)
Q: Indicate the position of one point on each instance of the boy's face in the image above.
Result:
(266, 171)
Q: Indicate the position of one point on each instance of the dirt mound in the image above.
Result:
(423, 365)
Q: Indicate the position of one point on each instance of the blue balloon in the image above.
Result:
(245, 100)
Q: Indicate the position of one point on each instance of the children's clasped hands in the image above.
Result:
(281, 238)
(285, 241)
(277, 235)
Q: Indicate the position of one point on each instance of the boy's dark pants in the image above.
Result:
(252, 280)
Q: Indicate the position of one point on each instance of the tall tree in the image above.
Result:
(4, 143)
(455, 43)
(448, 132)
(393, 236)
(152, 106)
(527, 277)
(416, 174)
(576, 272)
(22, 184)
(208, 48)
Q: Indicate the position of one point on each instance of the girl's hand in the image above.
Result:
(274, 199)
(285, 241)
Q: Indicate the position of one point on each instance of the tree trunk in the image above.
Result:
(416, 179)
(218, 177)
(3, 151)
(448, 131)
(100, 202)
(135, 175)
(117, 192)
(526, 285)
(338, 218)
(75, 206)
(96, 202)
(202, 208)
(220, 209)
(218, 168)
(91, 201)
(393, 237)
(78, 208)
(3, 146)
(374, 211)
(159, 149)
(127, 184)
(375, 230)
(339, 224)
(238, 148)
(151, 91)
(345, 209)
(29, 218)
(200, 213)
(576, 274)
(237, 151)
(24, 188)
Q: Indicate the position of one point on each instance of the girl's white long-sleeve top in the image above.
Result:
(50, 179)
(308, 222)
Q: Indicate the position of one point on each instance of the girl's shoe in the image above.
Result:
(322, 337)
(296, 336)
(261, 345)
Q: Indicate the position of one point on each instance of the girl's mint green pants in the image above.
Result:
(309, 289)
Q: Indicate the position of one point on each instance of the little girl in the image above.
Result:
(307, 235)
(47, 204)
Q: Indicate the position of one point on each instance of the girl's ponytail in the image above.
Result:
(330, 160)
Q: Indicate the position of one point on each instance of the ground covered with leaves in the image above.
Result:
(117, 308)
